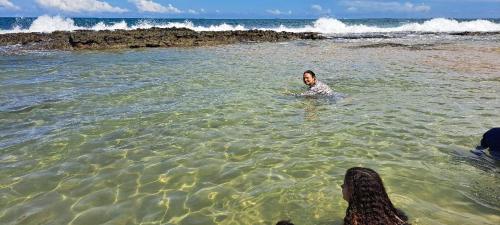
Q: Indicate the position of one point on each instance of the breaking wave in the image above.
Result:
(334, 26)
(49, 24)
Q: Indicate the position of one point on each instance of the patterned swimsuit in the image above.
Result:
(319, 88)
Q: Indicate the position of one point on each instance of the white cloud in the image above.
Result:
(476, 1)
(192, 11)
(317, 8)
(150, 6)
(320, 9)
(80, 6)
(8, 5)
(385, 6)
(278, 12)
(352, 8)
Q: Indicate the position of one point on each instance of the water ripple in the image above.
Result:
(209, 135)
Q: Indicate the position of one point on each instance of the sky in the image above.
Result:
(253, 9)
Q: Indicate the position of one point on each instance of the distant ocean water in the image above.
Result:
(212, 135)
(322, 25)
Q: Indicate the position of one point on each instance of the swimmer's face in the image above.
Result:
(345, 192)
(309, 79)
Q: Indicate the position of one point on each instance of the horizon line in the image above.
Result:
(345, 18)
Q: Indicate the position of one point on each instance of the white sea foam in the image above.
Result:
(47, 24)
(334, 26)
(322, 25)
(189, 25)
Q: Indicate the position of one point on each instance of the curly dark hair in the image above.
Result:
(369, 204)
(284, 222)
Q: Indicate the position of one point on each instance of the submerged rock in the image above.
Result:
(145, 38)
(399, 45)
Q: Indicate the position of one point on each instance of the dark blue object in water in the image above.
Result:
(491, 140)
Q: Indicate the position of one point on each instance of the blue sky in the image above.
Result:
(254, 9)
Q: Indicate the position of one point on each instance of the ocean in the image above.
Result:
(327, 26)
(214, 135)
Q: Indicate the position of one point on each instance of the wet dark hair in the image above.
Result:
(310, 72)
(369, 203)
(284, 222)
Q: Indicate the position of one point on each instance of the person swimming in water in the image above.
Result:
(284, 222)
(491, 141)
(316, 87)
(368, 202)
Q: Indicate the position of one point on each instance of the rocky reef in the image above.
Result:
(144, 38)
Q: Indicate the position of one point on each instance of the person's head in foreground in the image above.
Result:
(309, 78)
(491, 141)
(284, 222)
(368, 202)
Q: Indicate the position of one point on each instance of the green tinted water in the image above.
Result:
(211, 135)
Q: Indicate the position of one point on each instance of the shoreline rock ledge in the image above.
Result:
(145, 38)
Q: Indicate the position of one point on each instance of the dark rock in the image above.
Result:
(399, 45)
(470, 33)
(145, 38)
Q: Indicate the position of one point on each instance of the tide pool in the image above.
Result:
(212, 136)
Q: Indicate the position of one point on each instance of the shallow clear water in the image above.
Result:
(212, 135)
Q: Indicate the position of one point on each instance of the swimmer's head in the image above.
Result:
(368, 201)
(309, 78)
(284, 222)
